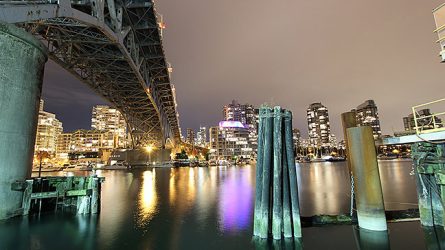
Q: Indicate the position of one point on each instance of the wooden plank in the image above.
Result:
(44, 195)
(79, 192)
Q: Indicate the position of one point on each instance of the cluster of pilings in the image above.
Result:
(277, 209)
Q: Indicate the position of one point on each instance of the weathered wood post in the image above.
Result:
(368, 188)
(267, 162)
(259, 172)
(95, 195)
(293, 185)
(277, 213)
(26, 203)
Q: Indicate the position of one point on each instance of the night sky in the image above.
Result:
(289, 53)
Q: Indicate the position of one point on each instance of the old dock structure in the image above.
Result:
(428, 153)
(73, 193)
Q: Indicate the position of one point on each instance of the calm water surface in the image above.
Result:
(210, 208)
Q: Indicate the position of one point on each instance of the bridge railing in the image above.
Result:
(439, 18)
(426, 122)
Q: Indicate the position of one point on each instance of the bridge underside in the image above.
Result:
(116, 48)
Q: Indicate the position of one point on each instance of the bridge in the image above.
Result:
(114, 46)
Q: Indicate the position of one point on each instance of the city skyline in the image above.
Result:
(380, 51)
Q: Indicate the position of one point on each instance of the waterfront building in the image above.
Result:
(425, 121)
(201, 137)
(107, 118)
(83, 140)
(63, 145)
(245, 113)
(296, 137)
(48, 129)
(190, 136)
(230, 139)
(367, 115)
(333, 141)
(318, 125)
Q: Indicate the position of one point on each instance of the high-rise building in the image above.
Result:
(48, 129)
(201, 137)
(230, 139)
(318, 125)
(424, 121)
(190, 136)
(367, 115)
(110, 119)
(296, 137)
(245, 113)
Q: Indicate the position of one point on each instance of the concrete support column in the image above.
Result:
(22, 60)
(368, 188)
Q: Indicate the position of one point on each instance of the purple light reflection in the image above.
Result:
(235, 206)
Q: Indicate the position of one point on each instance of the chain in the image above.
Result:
(352, 195)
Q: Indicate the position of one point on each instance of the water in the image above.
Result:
(210, 208)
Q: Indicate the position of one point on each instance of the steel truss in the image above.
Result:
(115, 46)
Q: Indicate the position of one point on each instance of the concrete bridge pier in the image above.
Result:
(22, 60)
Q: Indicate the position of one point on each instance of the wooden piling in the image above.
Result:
(368, 188)
(287, 223)
(267, 162)
(95, 195)
(277, 211)
(26, 201)
(259, 172)
(293, 185)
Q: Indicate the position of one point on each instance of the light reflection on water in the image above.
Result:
(147, 198)
(208, 208)
(235, 205)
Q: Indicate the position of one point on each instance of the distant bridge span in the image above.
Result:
(115, 46)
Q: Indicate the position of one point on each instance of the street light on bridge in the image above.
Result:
(149, 149)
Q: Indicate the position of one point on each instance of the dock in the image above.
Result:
(72, 193)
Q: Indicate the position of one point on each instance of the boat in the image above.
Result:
(387, 157)
(203, 164)
(336, 158)
(116, 166)
(318, 160)
(181, 163)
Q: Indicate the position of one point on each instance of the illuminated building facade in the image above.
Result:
(230, 139)
(367, 115)
(91, 140)
(244, 113)
(190, 136)
(48, 129)
(63, 145)
(201, 137)
(296, 137)
(318, 125)
(107, 118)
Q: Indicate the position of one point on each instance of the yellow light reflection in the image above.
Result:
(148, 196)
